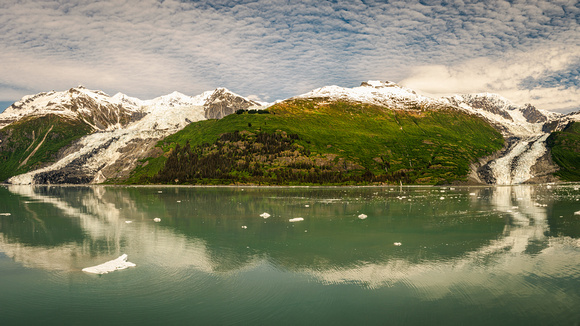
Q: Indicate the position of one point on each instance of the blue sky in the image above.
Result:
(527, 51)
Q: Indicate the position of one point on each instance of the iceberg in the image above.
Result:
(110, 266)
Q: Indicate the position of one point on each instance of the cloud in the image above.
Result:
(147, 48)
(520, 77)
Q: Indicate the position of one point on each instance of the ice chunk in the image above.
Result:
(110, 266)
(265, 215)
(362, 216)
(296, 219)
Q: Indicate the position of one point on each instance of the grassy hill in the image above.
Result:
(565, 149)
(32, 142)
(315, 141)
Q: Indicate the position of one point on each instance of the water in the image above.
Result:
(467, 256)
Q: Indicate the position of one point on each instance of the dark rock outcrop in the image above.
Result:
(222, 103)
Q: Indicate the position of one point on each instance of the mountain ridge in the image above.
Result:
(125, 130)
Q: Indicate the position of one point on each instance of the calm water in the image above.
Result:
(468, 256)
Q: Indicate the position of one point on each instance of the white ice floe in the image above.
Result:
(362, 216)
(157, 219)
(265, 215)
(296, 219)
(110, 266)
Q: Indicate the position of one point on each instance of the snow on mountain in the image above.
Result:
(374, 92)
(127, 128)
(114, 152)
(95, 108)
(525, 128)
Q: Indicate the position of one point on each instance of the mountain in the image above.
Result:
(375, 133)
(111, 134)
(379, 132)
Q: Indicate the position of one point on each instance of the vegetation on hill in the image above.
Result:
(32, 142)
(316, 141)
(565, 149)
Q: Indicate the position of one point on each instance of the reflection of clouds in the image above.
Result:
(107, 236)
(498, 268)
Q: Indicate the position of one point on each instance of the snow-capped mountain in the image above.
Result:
(380, 93)
(126, 128)
(95, 108)
(525, 128)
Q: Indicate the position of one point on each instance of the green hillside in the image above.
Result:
(565, 149)
(314, 141)
(31, 142)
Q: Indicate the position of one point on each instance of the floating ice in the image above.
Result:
(110, 266)
(296, 219)
(157, 219)
(5, 214)
(397, 244)
(265, 215)
(362, 216)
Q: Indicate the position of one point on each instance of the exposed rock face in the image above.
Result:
(489, 104)
(532, 114)
(223, 102)
(95, 108)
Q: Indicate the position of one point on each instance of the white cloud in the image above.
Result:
(503, 76)
(148, 48)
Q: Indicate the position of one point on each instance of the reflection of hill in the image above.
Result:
(330, 236)
(444, 232)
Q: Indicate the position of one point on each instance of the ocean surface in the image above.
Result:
(506, 255)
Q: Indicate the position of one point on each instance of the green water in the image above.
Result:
(467, 256)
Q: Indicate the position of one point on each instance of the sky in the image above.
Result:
(526, 51)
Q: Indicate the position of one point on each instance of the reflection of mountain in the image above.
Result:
(523, 249)
(450, 237)
(94, 220)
